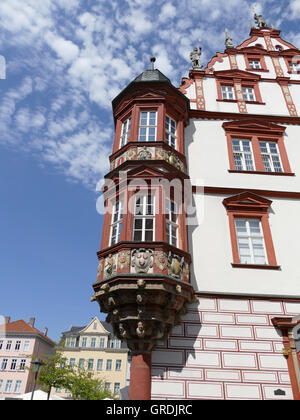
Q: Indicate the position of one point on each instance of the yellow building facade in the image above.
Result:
(95, 349)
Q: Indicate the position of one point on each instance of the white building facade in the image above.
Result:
(242, 148)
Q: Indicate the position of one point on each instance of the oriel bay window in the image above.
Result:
(170, 132)
(116, 226)
(171, 222)
(148, 126)
(125, 132)
(144, 218)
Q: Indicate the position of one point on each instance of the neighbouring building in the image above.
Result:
(20, 343)
(198, 266)
(94, 348)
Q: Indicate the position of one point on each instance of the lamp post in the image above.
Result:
(37, 364)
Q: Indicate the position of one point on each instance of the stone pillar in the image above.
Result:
(140, 377)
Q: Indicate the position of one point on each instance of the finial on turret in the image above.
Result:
(228, 41)
(195, 57)
(152, 59)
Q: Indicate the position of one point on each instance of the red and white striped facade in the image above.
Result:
(238, 145)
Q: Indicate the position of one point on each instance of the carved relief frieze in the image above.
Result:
(142, 260)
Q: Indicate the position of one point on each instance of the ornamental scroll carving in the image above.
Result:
(142, 260)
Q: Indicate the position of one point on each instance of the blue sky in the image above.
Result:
(65, 61)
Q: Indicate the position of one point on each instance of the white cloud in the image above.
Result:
(168, 11)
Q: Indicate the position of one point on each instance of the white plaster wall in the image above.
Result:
(208, 163)
(210, 246)
(272, 96)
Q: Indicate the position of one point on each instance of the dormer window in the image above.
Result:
(148, 126)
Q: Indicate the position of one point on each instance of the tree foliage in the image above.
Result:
(79, 382)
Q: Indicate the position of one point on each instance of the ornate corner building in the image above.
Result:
(198, 268)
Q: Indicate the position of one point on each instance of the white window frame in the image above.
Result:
(18, 345)
(251, 237)
(125, 132)
(109, 364)
(4, 363)
(118, 365)
(93, 342)
(243, 155)
(83, 342)
(295, 67)
(117, 386)
(171, 222)
(171, 132)
(26, 345)
(147, 131)
(228, 92)
(117, 220)
(99, 364)
(22, 364)
(18, 386)
(249, 94)
(8, 386)
(8, 345)
(102, 343)
(254, 64)
(270, 155)
(144, 217)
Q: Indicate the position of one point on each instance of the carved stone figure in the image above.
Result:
(145, 154)
(142, 260)
(161, 260)
(110, 266)
(175, 265)
(195, 57)
(228, 42)
(124, 259)
(260, 21)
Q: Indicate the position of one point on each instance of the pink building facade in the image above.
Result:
(19, 343)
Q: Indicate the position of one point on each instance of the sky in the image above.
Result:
(61, 64)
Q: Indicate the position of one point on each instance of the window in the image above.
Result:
(81, 363)
(270, 156)
(107, 386)
(93, 342)
(13, 364)
(248, 93)
(108, 364)
(250, 234)
(118, 364)
(26, 345)
(90, 364)
(1, 384)
(72, 362)
(116, 226)
(171, 222)
(83, 342)
(1, 344)
(117, 388)
(242, 155)
(295, 67)
(125, 132)
(262, 153)
(95, 326)
(250, 241)
(8, 344)
(18, 387)
(99, 364)
(4, 364)
(22, 364)
(148, 125)
(18, 345)
(227, 92)
(171, 132)
(8, 386)
(254, 64)
(143, 223)
(102, 342)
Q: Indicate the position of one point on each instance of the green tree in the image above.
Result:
(83, 386)
(79, 382)
(54, 373)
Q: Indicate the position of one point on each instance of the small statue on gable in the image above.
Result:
(228, 42)
(260, 21)
(195, 57)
